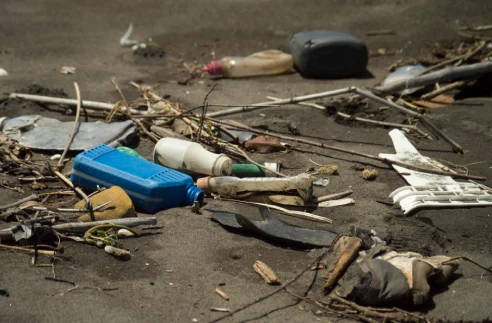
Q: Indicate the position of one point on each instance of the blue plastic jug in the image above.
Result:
(151, 187)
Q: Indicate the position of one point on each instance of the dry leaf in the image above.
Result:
(266, 273)
(429, 104)
(264, 144)
(444, 99)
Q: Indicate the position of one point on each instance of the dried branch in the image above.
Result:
(75, 126)
(348, 151)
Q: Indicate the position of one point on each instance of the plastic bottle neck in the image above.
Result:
(194, 194)
(214, 68)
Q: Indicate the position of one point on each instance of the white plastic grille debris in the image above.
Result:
(430, 190)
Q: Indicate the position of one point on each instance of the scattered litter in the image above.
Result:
(151, 187)
(125, 233)
(3, 72)
(55, 157)
(346, 55)
(67, 70)
(272, 228)
(241, 135)
(267, 62)
(370, 174)
(117, 252)
(21, 232)
(222, 294)
(232, 186)
(37, 132)
(266, 273)
(191, 157)
(125, 40)
(321, 182)
(430, 190)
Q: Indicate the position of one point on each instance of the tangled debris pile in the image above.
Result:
(197, 156)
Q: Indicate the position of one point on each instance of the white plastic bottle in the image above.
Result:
(267, 62)
(191, 157)
(231, 186)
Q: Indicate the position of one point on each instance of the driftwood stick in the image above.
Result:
(278, 102)
(84, 226)
(446, 74)
(49, 99)
(348, 151)
(32, 197)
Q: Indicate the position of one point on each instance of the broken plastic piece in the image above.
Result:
(35, 131)
(430, 190)
(272, 228)
(125, 41)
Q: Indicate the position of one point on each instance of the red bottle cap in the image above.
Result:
(214, 68)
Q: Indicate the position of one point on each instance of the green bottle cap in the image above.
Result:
(129, 151)
(247, 170)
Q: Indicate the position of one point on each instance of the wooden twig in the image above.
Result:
(348, 151)
(71, 102)
(261, 105)
(79, 191)
(32, 197)
(442, 90)
(380, 32)
(204, 112)
(30, 251)
(332, 196)
(150, 135)
(222, 294)
(75, 126)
